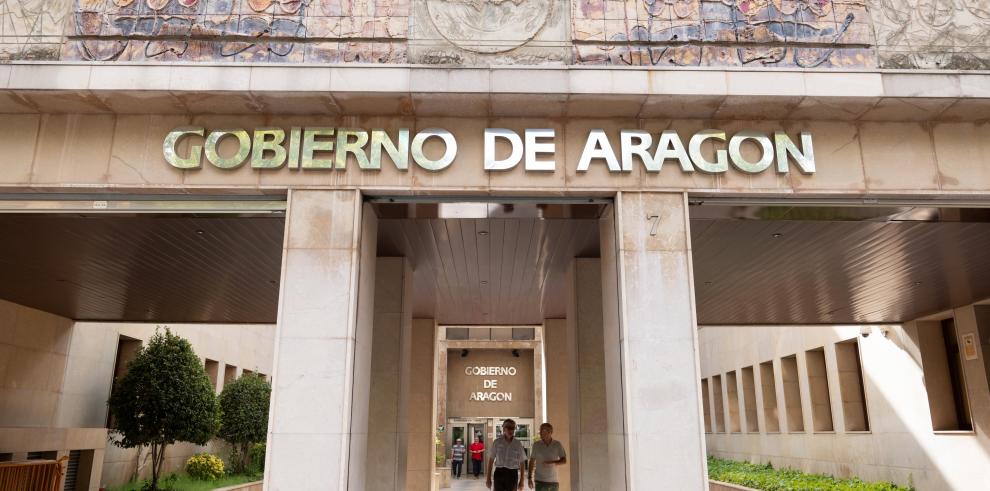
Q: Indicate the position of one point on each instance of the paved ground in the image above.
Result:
(468, 483)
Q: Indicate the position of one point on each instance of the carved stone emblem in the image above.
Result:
(489, 26)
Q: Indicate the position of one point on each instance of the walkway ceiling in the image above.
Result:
(752, 265)
(790, 265)
(507, 269)
(143, 267)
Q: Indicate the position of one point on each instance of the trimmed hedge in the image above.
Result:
(766, 478)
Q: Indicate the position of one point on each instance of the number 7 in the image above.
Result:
(655, 223)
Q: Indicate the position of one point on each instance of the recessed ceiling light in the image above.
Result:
(483, 233)
(200, 232)
(777, 235)
(484, 282)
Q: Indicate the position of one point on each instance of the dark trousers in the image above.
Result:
(505, 479)
(456, 467)
(477, 467)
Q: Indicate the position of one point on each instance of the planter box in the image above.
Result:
(248, 486)
(724, 486)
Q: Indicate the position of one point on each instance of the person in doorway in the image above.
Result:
(477, 450)
(457, 458)
(508, 461)
(547, 454)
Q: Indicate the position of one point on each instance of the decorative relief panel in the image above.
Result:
(295, 31)
(498, 32)
(953, 34)
(778, 33)
(31, 29)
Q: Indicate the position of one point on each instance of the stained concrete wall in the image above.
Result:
(56, 376)
(34, 351)
(901, 444)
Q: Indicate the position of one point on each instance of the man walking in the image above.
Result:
(508, 461)
(477, 455)
(457, 458)
(547, 455)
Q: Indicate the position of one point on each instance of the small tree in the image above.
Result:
(164, 397)
(244, 416)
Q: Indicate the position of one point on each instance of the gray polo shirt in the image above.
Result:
(543, 452)
(508, 454)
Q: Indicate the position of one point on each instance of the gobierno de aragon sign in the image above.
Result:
(329, 148)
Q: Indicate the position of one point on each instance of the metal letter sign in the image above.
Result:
(434, 149)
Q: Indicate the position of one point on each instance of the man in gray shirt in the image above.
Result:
(508, 461)
(547, 454)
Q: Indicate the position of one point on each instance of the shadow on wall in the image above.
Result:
(901, 444)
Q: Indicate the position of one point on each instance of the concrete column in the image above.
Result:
(659, 348)
(322, 344)
(559, 354)
(385, 467)
(420, 418)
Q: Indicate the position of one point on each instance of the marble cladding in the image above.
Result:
(854, 159)
(660, 350)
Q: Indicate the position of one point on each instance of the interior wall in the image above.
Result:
(901, 444)
(419, 422)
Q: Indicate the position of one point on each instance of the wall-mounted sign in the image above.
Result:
(325, 148)
(969, 346)
(490, 392)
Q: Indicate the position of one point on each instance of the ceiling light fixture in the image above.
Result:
(777, 235)
(483, 233)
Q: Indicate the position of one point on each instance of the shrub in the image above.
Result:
(257, 455)
(244, 416)
(205, 467)
(164, 397)
(765, 477)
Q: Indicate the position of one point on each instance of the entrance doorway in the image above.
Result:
(482, 281)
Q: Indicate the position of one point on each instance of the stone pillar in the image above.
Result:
(659, 343)
(559, 355)
(385, 467)
(589, 415)
(322, 344)
(420, 417)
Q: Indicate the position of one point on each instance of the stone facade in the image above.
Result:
(664, 33)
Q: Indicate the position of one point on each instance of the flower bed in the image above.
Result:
(766, 478)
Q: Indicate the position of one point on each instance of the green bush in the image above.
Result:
(164, 397)
(257, 454)
(205, 467)
(244, 417)
(765, 477)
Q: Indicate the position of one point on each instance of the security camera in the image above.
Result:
(865, 331)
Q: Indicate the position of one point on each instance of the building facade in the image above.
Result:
(362, 174)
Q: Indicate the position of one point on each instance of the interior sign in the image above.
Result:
(710, 151)
(490, 385)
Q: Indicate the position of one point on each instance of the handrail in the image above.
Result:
(32, 475)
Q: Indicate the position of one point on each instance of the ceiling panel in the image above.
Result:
(797, 272)
(165, 268)
(489, 270)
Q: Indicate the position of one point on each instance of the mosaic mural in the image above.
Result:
(779, 33)
(31, 29)
(952, 34)
(295, 31)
